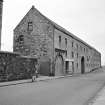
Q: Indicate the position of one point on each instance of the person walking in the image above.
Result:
(35, 73)
(36, 70)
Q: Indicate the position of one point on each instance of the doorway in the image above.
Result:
(59, 66)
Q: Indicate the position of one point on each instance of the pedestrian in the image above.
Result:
(36, 70)
(34, 74)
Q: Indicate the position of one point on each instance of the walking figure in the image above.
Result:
(36, 70)
(35, 74)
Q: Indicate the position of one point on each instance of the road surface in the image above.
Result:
(76, 90)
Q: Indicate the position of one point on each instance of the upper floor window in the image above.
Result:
(81, 48)
(84, 49)
(87, 50)
(30, 26)
(59, 41)
(77, 46)
(77, 55)
(66, 42)
(72, 44)
(66, 53)
(77, 65)
(87, 58)
(20, 39)
(72, 54)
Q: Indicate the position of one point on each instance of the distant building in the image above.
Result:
(59, 51)
(1, 7)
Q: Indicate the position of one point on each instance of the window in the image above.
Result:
(59, 41)
(81, 48)
(72, 44)
(66, 53)
(66, 42)
(77, 65)
(30, 26)
(77, 46)
(87, 58)
(84, 49)
(20, 39)
(72, 53)
(77, 55)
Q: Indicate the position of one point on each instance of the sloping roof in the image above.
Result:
(62, 29)
(67, 32)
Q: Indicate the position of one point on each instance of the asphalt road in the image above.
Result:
(77, 90)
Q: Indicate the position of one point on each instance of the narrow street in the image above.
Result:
(76, 90)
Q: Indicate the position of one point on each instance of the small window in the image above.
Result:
(20, 39)
(77, 65)
(81, 48)
(87, 58)
(66, 42)
(77, 55)
(66, 53)
(59, 41)
(77, 46)
(84, 49)
(72, 54)
(72, 44)
(30, 26)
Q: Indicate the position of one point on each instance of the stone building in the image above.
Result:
(59, 51)
(1, 7)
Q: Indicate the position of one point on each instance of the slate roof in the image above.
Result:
(62, 29)
(66, 32)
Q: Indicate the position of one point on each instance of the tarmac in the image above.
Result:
(98, 100)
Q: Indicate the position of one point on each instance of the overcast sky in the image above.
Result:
(84, 18)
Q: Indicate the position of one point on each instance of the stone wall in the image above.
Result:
(36, 35)
(73, 52)
(15, 67)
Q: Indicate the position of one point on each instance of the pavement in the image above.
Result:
(40, 78)
(99, 98)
